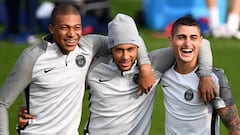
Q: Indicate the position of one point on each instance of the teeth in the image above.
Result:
(70, 41)
(187, 50)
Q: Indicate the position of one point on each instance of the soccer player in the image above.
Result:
(185, 112)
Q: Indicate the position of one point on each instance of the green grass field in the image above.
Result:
(225, 55)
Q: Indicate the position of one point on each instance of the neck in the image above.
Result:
(184, 68)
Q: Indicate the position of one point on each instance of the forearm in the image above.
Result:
(230, 119)
(146, 77)
(96, 43)
(3, 120)
(143, 53)
(205, 59)
(162, 59)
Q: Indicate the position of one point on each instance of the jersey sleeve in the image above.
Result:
(162, 59)
(225, 90)
(143, 57)
(205, 59)
(97, 44)
(16, 82)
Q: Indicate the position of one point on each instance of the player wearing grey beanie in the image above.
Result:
(121, 30)
(115, 108)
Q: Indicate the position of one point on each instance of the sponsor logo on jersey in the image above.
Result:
(188, 95)
(80, 60)
(46, 70)
(102, 80)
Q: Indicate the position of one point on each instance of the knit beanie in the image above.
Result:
(123, 30)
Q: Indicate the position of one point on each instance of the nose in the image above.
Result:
(125, 55)
(70, 32)
(188, 42)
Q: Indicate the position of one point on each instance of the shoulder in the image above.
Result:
(33, 52)
(92, 38)
(100, 60)
(219, 72)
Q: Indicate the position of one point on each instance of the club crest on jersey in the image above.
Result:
(80, 60)
(135, 78)
(188, 95)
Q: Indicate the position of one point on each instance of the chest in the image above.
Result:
(55, 70)
(183, 89)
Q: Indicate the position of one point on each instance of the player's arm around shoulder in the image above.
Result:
(96, 43)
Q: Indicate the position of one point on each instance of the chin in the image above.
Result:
(187, 59)
(124, 68)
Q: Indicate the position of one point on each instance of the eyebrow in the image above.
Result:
(178, 35)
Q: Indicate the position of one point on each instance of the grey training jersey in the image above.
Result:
(186, 114)
(115, 107)
(54, 85)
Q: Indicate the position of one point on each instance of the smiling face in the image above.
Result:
(186, 42)
(124, 56)
(66, 31)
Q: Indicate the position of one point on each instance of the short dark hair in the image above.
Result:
(64, 8)
(188, 21)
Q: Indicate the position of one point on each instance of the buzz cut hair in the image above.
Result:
(187, 21)
(65, 8)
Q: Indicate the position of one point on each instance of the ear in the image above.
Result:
(170, 40)
(51, 28)
(201, 41)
